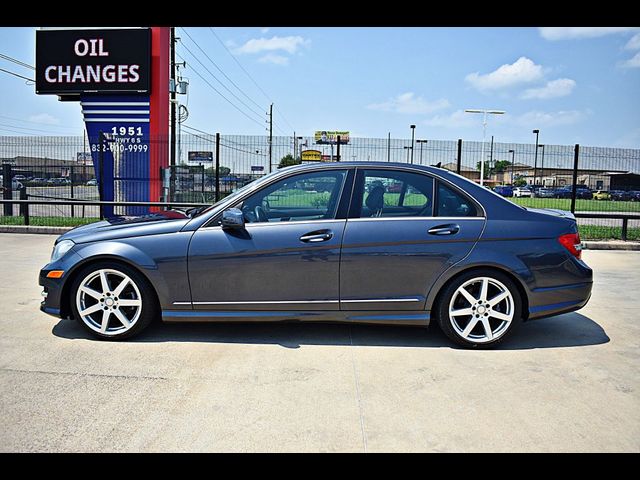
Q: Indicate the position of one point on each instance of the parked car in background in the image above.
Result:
(563, 192)
(19, 178)
(545, 192)
(601, 195)
(92, 183)
(583, 192)
(634, 195)
(504, 190)
(37, 182)
(60, 181)
(15, 184)
(521, 192)
(364, 255)
(620, 195)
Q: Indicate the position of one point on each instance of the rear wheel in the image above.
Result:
(113, 301)
(480, 309)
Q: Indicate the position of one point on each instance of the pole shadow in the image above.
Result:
(568, 330)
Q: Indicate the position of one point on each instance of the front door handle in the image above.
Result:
(317, 236)
(450, 229)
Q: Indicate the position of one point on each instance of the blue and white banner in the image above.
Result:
(123, 122)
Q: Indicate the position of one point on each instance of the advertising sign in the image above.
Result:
(84, 158)
(77, 61)
(312, 155)
(200, 157)
(325, 137)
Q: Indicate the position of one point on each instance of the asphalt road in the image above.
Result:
(569, 383)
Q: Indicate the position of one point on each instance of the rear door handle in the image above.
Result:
(317, 236)
(450, 229)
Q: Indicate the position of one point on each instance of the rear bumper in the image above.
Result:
(546, 302)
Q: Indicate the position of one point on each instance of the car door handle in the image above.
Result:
(317, 236)
(449, 229)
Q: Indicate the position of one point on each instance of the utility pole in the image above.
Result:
(491, 158)
(173, 97)
(413, 137)
(295, 145)
(270, 137)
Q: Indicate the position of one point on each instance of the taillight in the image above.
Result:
(571, 241)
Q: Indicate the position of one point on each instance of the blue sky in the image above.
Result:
(577, 85)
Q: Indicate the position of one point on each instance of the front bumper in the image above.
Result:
(54, 288)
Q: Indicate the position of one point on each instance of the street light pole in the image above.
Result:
(413, 137)
(542, 165)
(407, 148)
(421, 142)
(484, 134)
(513, 153)
(535, 161)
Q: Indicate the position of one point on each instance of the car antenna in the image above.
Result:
(437, 165)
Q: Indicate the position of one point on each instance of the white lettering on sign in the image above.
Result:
(94, 47)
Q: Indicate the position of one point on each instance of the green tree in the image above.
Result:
(288, 160)
(224, 171)
(519, 182)
(497, 167)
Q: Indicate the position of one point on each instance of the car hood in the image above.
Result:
(127, 226)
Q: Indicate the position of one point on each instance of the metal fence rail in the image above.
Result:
(598, 184)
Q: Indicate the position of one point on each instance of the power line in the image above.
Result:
(216, 78)
(17, 75)
(249, 75)
(222, 72)
(36, 122)
(219, 93)
(241, 150)
(16, 61)
(197, 130)
(27, 128)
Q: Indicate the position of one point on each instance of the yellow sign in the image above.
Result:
(325, 137)
(312, 155)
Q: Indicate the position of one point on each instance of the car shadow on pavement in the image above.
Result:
(568, 330)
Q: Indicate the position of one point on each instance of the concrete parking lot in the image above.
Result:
(568, 383)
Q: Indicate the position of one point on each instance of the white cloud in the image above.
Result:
(410, 103)
(274, 59)
(633, 43)
(553, 89)
(45, 118)
(566, 33)
(457, 119)
(289, 44)
(633, 62)
(523, 70)
(535, 118)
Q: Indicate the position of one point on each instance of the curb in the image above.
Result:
(33, 229)
(611, 245)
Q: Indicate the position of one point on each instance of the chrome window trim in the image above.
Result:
(371, 219)
(273, 224)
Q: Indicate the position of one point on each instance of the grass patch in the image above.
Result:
(581, 205)
(48, 221)
(598, 232)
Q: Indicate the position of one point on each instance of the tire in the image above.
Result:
(89, 296)
(456, 327)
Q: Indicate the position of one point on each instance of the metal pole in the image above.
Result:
(71, 178)
(338, 149)
(295, 146)
(413, 140)
(542, 166)
(576, 155)
(218, 165)
(270, 137)
(172, 47)
(421, 143)
(491, 158)
(535, 162)
(101, 142)
(513, 154)
(484, 133)
(389, 147)
(7, 193)
(24, 209)
(459, 163)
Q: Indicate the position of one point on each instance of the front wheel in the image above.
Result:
(113, 301)
(480, 309)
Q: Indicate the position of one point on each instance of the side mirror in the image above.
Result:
(232, 218)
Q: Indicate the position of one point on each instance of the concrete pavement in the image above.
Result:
(568, 383)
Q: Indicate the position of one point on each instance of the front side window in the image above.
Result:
(308, 196)
(387, 193)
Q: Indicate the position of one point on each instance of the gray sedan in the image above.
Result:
(354, 242)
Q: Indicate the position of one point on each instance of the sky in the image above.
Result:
(575, 84)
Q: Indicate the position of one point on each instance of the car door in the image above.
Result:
(287, 256)
(397, 243)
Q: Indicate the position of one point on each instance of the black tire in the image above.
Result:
(149, 310)
(445, 322)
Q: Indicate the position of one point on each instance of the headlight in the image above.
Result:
(61, 249)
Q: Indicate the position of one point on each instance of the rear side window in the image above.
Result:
(450, 203)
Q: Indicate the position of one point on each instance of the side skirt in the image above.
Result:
(402, 317)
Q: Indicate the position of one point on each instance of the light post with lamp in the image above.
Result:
(484, 134)
(421, 142)
(513, 154)
(535, 161)
(413, 137)
(542, 165)
(407, 148)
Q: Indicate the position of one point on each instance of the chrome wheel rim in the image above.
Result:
(109, 302)
(481, 310)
